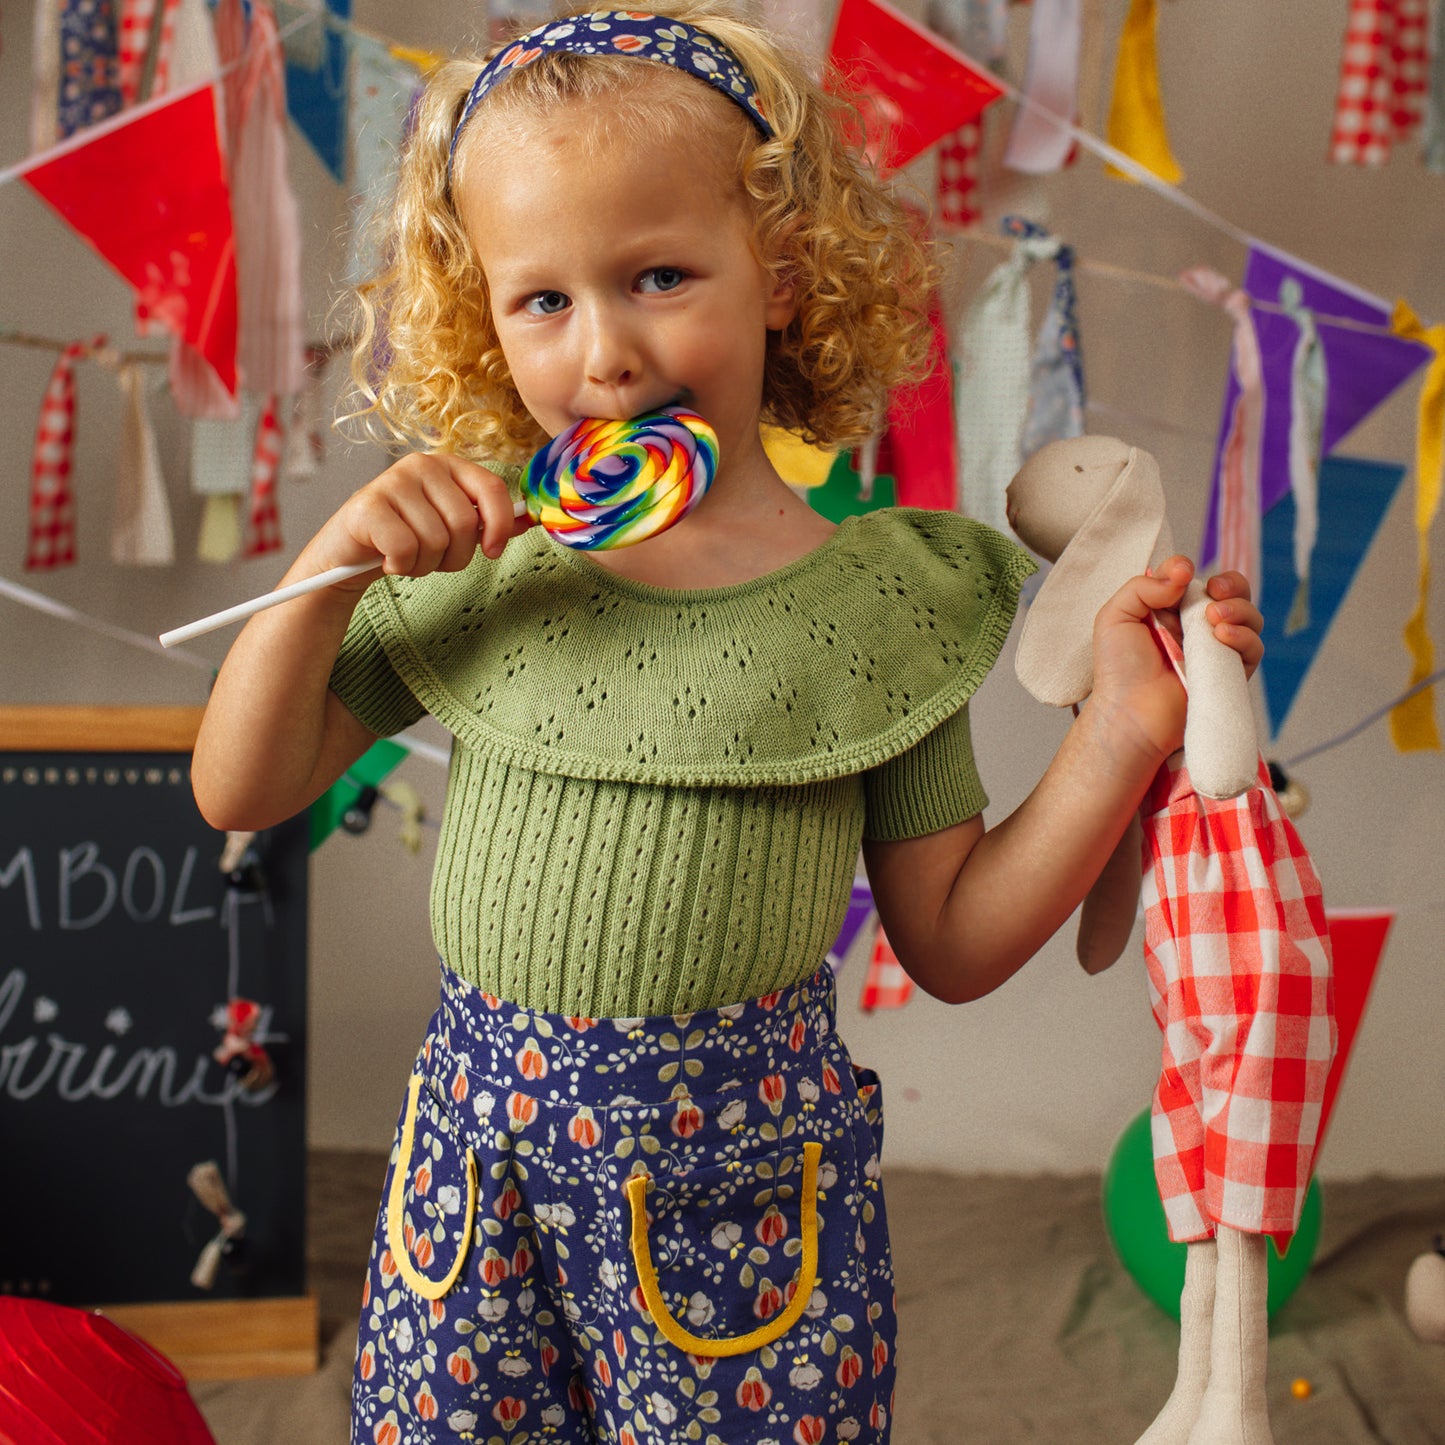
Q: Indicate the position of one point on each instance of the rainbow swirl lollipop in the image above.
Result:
(611, 483)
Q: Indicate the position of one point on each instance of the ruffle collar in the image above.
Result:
(831, 665)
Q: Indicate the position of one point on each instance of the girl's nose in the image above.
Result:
(611, 353)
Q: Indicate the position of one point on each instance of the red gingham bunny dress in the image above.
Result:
(1238, 956)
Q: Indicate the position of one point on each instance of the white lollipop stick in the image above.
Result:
(281, 594)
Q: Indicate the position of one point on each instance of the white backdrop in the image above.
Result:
(1042, 1075)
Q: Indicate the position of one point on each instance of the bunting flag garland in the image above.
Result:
(1383, 79)
(979, 28)
(1038, 145)
(1136, 111)
(52, 499)
(887, 985)
(151, 197)
(1308, 389)
(141, 533)
(1354, 494)
(263, 529)
(318, 87)
(911, 89)
(996, 372)
(1357, 943)
(1412, 723)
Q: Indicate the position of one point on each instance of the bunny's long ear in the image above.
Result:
(1055, 658)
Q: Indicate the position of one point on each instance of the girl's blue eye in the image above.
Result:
(661, 278)
(547, 303)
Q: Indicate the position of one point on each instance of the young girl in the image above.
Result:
(635, 1190)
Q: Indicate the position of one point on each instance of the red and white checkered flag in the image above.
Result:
(958, 171)
(887, 985)
(1384, 75)
(263, 532)
(52, 501)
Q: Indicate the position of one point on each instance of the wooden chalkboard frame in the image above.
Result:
(204, 1339)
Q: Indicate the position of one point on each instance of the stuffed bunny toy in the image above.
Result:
(1235, 940)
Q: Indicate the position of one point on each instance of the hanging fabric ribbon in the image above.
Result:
(979, 28)
(141, 533)
(1383, 78)
(89, 66)
(1432, 141)
(1412, 723)
(264, 519)
(1308, 384)
(270, 341)
(1051, 80)
(146, 40)
(1056, 370)
(52, 499)
(1241, 428)
(221, 458)
(1136, 112)
(995, 372)
(305, 435)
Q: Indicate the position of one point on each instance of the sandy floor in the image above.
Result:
(1016, 1322)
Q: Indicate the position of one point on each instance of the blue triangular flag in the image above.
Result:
(318, 95)
(1354, 495)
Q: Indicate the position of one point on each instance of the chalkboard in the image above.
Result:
(121, 942)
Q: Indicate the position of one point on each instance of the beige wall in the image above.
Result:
(1042, 1075)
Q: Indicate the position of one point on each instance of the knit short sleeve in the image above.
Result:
(933, 785)
(372, 689)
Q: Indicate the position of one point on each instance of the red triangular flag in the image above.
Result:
(912, 88)
(1357, 939)
(150, 195)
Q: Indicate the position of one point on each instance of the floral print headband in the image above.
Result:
(622, 32)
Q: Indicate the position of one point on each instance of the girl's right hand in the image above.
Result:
(428, 512)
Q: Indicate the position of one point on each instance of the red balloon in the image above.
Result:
(70, 1377)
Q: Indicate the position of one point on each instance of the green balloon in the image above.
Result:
(1135, 1220)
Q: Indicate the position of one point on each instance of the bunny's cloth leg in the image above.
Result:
(1235, 1409)
(1196, 1324)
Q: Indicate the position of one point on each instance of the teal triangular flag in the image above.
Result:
(1354, 495)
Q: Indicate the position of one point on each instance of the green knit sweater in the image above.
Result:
(656, 797)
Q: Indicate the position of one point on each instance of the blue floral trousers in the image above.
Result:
(631, 1230)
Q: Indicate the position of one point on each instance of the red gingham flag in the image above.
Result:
(887, 985)
(1237, 950)
(1384, 74)
(264, 522)
(958, 170)
(137, 17)
(52, 501)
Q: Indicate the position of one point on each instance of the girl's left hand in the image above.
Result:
(1237, 621)
(1132, 680)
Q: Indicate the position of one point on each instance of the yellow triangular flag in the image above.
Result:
(1136, 113)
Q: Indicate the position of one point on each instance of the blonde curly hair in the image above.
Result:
(427, 367)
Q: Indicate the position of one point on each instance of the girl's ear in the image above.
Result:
(782, 304)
